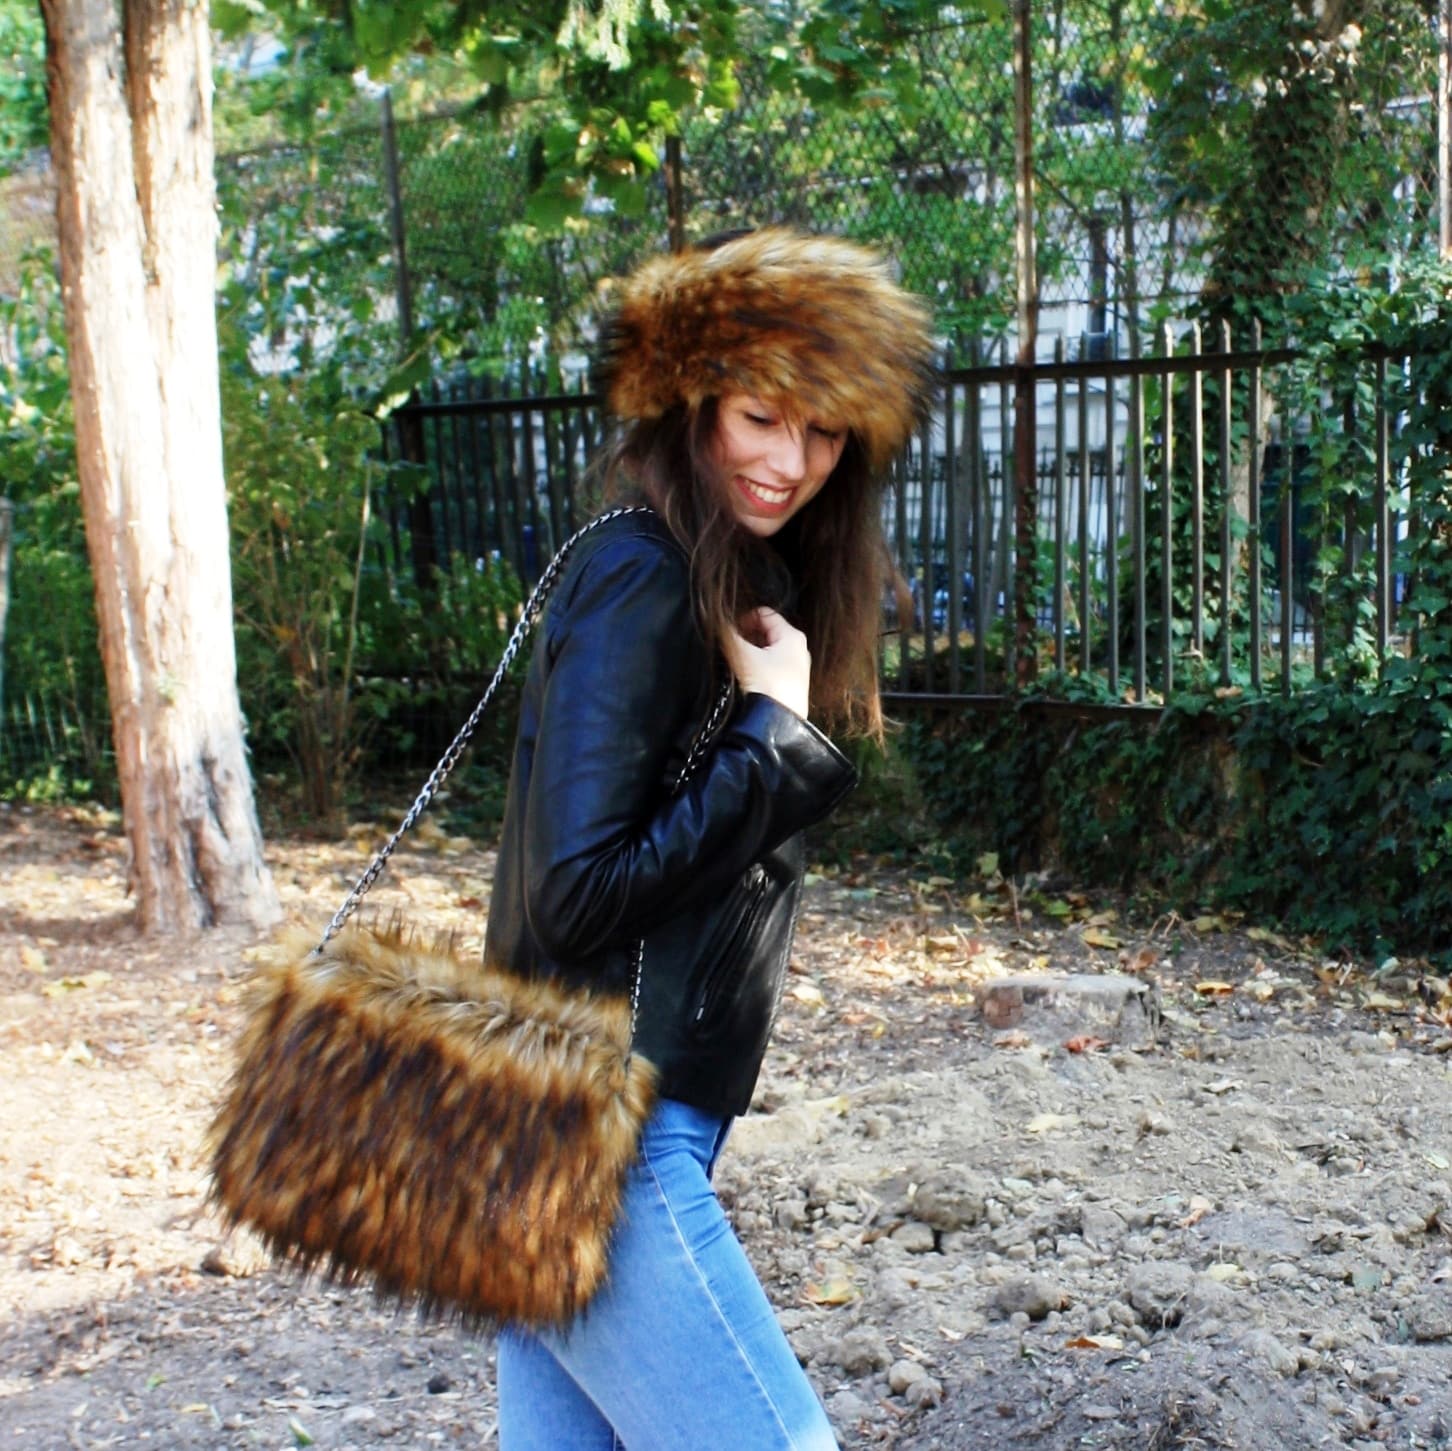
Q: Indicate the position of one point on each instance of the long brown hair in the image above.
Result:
(834, 549)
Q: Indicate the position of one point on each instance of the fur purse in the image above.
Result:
(454, 1135)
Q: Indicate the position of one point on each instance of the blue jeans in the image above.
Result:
(680, 1349)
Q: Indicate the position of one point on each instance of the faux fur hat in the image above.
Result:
(813, 325)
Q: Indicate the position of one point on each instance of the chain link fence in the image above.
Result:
(1182, 167)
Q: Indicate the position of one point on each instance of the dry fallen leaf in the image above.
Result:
(1139, 961)
(1214, 989)
(73, 984)
(808, 993)
(1093, 937)
(837, 1291)
(1085, 1043)
(1264, 934)
(1375, 1002)
(1199, 1208)
(1094, 1342)
(1047, 1123)
(1014, 1038)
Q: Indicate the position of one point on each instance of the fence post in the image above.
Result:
(411, 447)
(1024, 387)
(675, 194)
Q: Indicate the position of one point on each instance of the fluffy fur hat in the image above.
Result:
(814, 325)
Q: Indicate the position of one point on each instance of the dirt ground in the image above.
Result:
(1199, 1196)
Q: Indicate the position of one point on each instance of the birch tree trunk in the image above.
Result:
(130, 103)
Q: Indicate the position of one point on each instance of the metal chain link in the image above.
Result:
(700, 744)
(533, 608)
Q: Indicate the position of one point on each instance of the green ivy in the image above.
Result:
(1330, 812)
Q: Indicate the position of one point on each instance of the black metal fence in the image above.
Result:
(1183, 534)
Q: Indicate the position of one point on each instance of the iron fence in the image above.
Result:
(1182, 532)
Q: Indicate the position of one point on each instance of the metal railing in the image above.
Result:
(1181, 530)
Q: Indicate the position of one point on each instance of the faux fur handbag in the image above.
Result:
(454, 1135)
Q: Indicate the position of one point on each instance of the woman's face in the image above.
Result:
(769, 468)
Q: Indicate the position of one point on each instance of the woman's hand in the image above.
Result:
(770, 657)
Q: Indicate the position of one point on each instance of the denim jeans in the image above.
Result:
(681, 1349)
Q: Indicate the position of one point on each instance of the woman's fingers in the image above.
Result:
(764, 627)
(769, 655)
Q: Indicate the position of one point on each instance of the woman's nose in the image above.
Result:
(789, 453)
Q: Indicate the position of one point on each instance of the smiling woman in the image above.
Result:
(772, 468)
(764, 384)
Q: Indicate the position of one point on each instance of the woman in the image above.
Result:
(765, 383)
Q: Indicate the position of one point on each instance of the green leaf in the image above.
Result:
(627, 193)
(645, 156)
(551, 207)
(400, 384)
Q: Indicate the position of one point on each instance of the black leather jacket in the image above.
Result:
(596, 852)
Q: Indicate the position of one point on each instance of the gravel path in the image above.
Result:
(1019, 1174)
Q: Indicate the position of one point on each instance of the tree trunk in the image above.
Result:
(130, 104)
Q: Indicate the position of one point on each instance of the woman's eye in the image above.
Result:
(830, 434)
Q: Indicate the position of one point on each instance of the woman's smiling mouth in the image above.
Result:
(764, 494)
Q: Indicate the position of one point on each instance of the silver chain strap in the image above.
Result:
(533, 608)
(699, 746)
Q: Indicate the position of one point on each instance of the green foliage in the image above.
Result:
(1287, 125)
(1327, 812)
(334, 645)
(54, 692)
(24, 114)
(603, 86)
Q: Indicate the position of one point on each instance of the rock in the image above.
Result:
(1383, 1381)
(1429, 1315)
(1053, 1008)
(1209, 1298)
(1028, 1294)
(1100, 1227)
(924, 1393)
(947, 1201)
(785, 1132)
(915, 1238)
(904, 1373)
(1158, 1291)
(1254, 1137)
(790, 1214)
(846, 1409)
(1261, 1345)
(892, 1290)
(861, 1351)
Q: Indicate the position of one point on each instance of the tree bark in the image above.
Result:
(130, 103)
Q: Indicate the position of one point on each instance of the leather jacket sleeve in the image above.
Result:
(608, 853)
